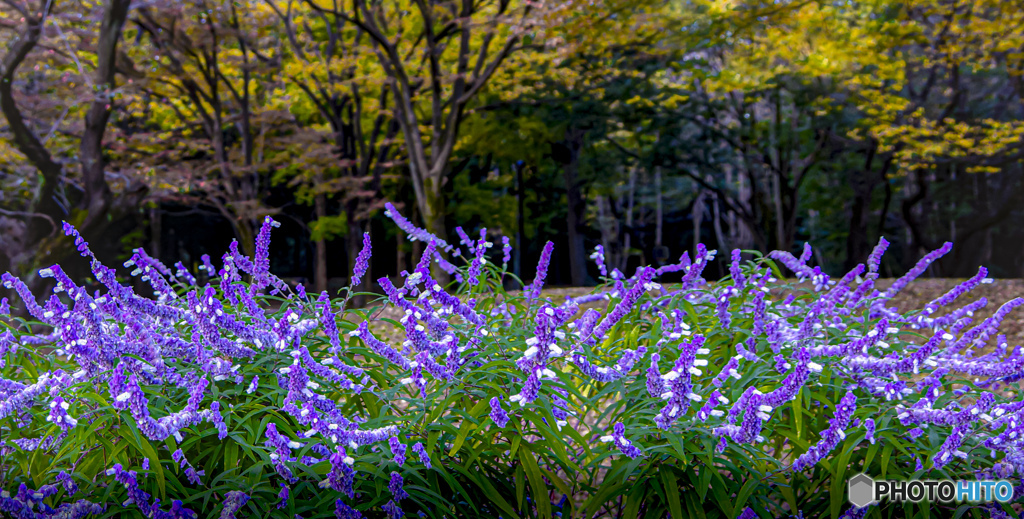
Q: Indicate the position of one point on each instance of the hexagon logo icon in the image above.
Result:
(861, 490)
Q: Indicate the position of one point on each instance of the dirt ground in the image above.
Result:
(913, 297)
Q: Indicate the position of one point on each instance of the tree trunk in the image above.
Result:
(400, 261)
(155, 230)
(576, 207)
(97, 192)
(857, 246)
(627, 242)
(320, 261)
(433, 218)
(517, 260)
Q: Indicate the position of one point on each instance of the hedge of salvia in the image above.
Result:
(232, 394)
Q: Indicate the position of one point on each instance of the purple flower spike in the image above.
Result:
(875, 258)
(396, 486)
(598, 257)
(619, 439)
(343, 511)
(831, 436)
(498, 414)
(420, 450)
(398, 449)
(734, 270)
(533, 291)
(918, 269)
(362, 261)
(233, 502)
(748, 513)
(415, 233)
(283, 496)
(392, 510)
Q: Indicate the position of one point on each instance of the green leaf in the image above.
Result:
(633, 501)
(668, 480)
(538, 489)
(745, 492)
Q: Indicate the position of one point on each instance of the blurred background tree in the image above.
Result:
(645, 127)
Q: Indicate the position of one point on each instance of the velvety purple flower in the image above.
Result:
(207, 266)
(655, 382)
(735, 271)
(619, 439)
(682, 264)
(875, 258)
(598, 257)
(506, 250)
(395, 486)
(464, 238)
(283, 496)
(392, 510)
(748, 513)
(918, 269)
(644, 277)
(419, 449)
(415, 233)
(731, 369)
(479, 249)
(218, 421)
(362, 261)
(798, 266)
(379, 347)
(59, 414)
(341, 475)
(80, 243)
(831, 436)
(722, 306)
(233, 502)
(398, 449)
(869, 426)
(533, 291)
(498, 415)
(856, 513)
(343, 511)
(67, 482)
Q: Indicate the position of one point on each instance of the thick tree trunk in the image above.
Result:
(97, 192)
(433, 218)
(576, 208)
(857, 246)
(42, 243)
(29, 145)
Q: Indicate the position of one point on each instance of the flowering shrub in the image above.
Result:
(230, 394)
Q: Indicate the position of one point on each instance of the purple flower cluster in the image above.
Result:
(618, 438)
(533, 291)
(362, 261)
(498, 415)
(831, 436)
